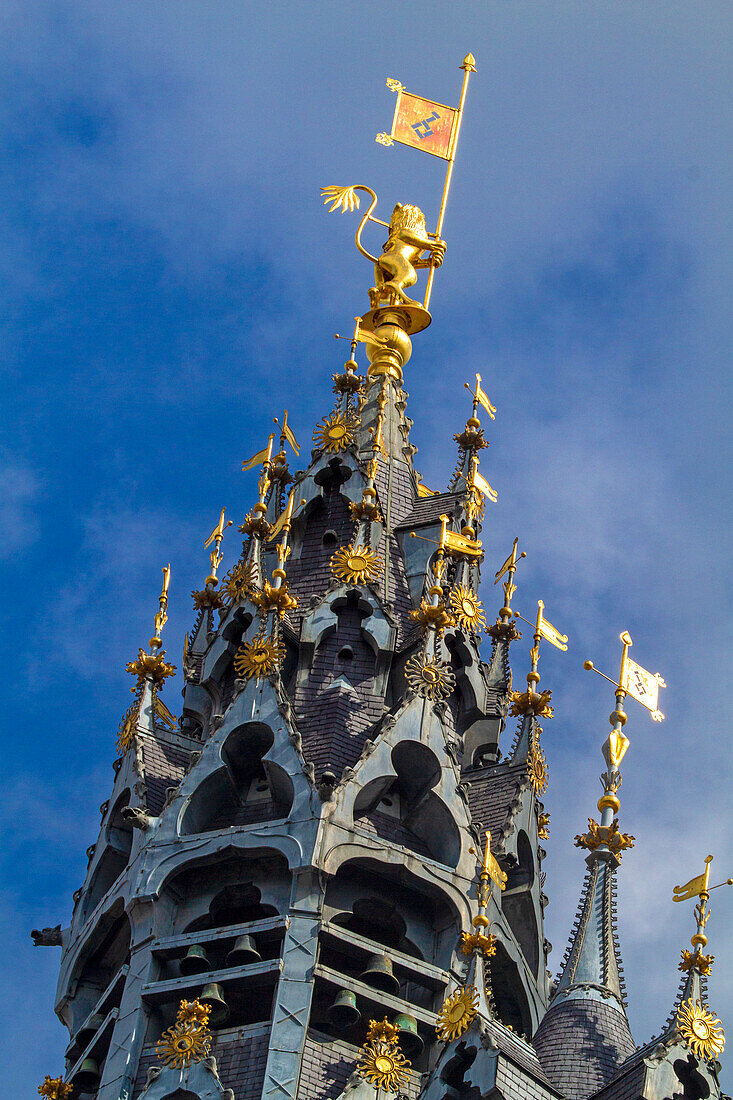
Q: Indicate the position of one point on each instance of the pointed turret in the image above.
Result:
(585, 1037)
(683, 1059)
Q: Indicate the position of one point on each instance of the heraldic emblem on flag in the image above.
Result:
(422, 123)
(643, 686)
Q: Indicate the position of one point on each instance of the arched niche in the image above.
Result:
(517, 904)
(511, 1002)
(246, 789)
(106, 951)
(327, 512)
(481, 741)
(114, 858)
(403, 809)
(258, 877)
(347, 649)
(410, 914)
(240, 903)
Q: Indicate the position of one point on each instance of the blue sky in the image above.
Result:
(170, 280)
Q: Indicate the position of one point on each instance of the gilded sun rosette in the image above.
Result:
(383, 1065)
(334, 433)
(458, 1010)
(356, 564)
(239, 582)
(127, 727)
(55, 1088)
(701, 1031)
(467, 609)
(537, 770)
(429, 679)
(695, 960)
(257, 659)
(189, 1039)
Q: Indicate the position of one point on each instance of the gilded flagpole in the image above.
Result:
(468, 66)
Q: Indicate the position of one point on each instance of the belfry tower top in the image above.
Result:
(324, 881)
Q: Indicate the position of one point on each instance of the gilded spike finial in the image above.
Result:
(462, 1006)
(531, 701)
(207, 598)
(643, 686)
(152, 664)
(699, 1028)
(255, 523)
(699, 887)
(504, 627)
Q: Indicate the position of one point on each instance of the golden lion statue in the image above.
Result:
(404, 251)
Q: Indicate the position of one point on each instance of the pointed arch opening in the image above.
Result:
(247, 789)
(517, 903)
(404, 809)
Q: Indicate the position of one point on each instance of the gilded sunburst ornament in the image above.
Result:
(189, 1039)
(430, 679)
(239, 582)
(537, 770)
(55, 1088)
(458, 1010)
(258, 658)
(335, 433)
(467, 608)
(356, 564)
(701, 1031)
(383, 1065)
(127, 728)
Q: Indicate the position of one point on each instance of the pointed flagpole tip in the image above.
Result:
(469, 63)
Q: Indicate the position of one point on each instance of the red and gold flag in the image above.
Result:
(422, 123)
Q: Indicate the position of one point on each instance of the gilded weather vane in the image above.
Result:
(700, 1029)
(644, 687)
(434, 128)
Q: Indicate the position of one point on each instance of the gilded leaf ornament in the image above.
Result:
(695, 960)
(55, 1088)
(598, 835)
(531, 702)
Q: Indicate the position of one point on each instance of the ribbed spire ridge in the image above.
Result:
(592, 964)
